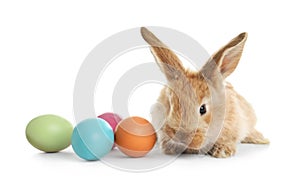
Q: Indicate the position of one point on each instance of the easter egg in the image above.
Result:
(49, 133)
(92, 139)
(112, 119)
(135, 136)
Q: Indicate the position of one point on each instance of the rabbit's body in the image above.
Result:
(184, 110)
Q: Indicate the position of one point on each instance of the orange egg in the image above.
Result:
(135, 136)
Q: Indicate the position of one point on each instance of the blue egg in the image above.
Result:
(92, 139)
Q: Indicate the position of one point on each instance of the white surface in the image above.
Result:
(42, 45)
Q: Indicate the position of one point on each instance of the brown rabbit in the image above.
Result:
(185, 109)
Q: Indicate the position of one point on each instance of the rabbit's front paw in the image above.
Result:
(172, 147)
(222, 151)
(191, 151)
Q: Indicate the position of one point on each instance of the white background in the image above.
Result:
(42, 46)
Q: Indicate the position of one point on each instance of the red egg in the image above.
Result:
(112, 119)
(135, 136)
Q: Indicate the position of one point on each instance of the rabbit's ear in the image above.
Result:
(167, 60)
(228, 57)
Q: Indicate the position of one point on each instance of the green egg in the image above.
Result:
(49, 133)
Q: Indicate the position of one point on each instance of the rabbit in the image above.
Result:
(185, 106)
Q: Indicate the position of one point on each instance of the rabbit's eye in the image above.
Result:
(202, 109)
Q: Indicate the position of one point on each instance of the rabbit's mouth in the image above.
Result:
(192, 139)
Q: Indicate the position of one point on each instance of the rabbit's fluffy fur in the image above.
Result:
(183, 128)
